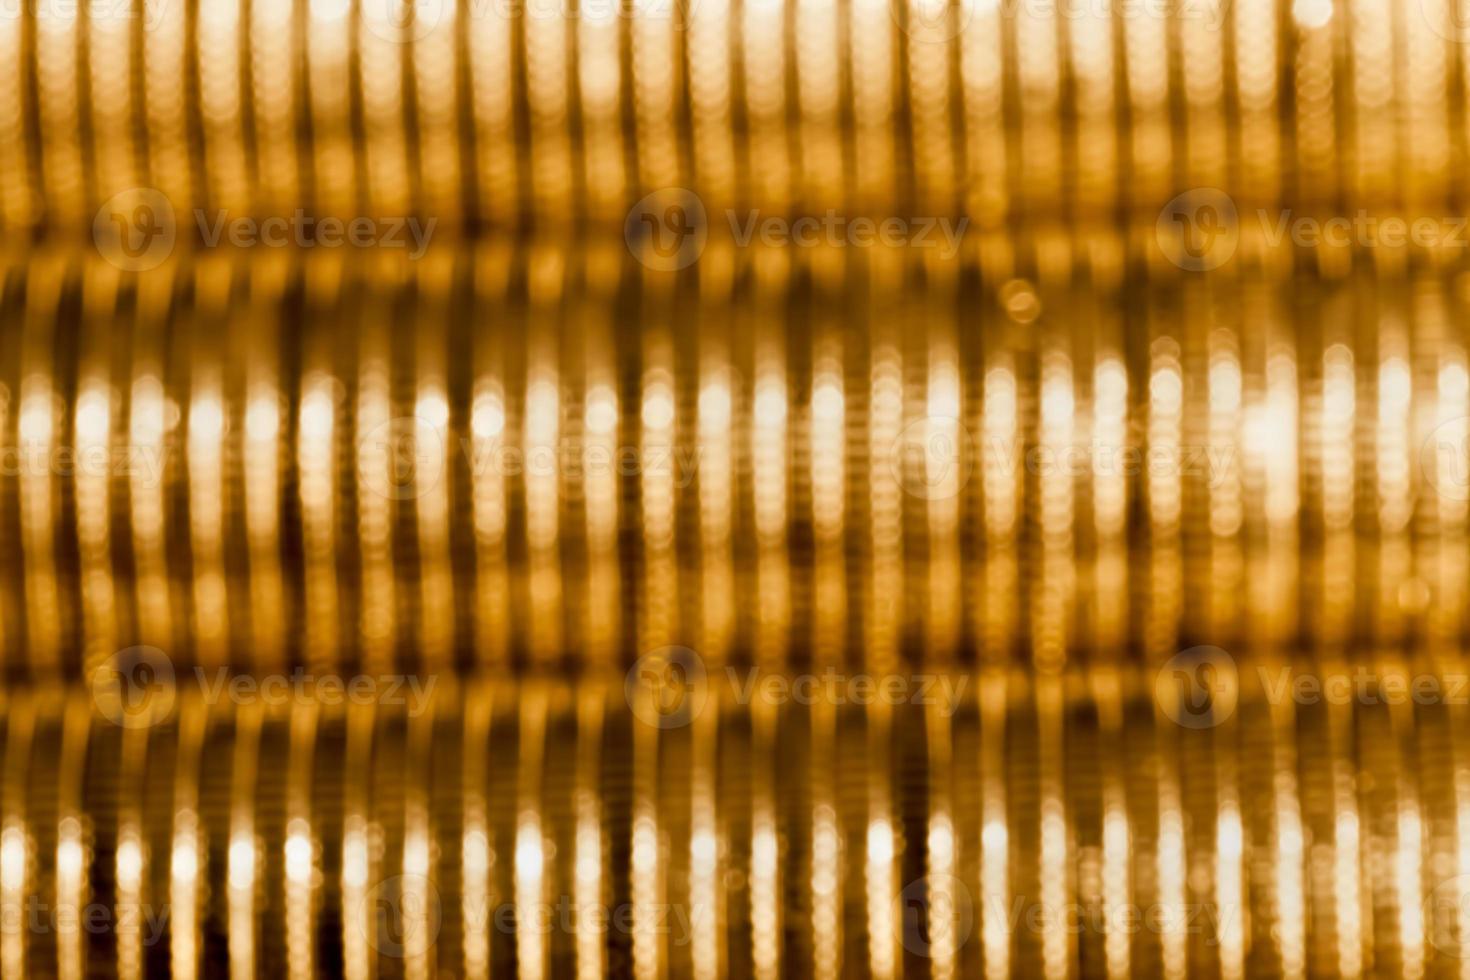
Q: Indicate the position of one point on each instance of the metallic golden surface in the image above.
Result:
(734, 488)
(1027, 451)
(991, 824)
(507, 111)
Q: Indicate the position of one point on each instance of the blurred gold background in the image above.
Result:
(553, 455)
(732, 488)
(503, 112)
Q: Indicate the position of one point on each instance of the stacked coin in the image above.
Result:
(829, 455)
(1222, 817)
(505, 111)
(884, 488)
